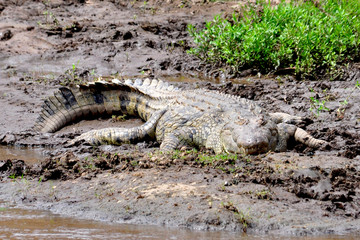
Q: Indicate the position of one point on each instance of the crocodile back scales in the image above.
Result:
(139, 98)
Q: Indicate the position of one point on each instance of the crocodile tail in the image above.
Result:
(94, 99)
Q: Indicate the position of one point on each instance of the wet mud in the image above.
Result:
(298, 192)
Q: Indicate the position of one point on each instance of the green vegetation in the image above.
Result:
(317, 106)
(119, 118)
(71, 75)
(78, 75)
(306, 36)
(340, 112)
(51, 21)
(212, 160)
(321, 98)
(243, 218)
(12, 176)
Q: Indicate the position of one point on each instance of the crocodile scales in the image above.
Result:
(174, 117)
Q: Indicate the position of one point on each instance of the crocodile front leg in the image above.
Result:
(117, 136)
(170, 142)
(180, 137)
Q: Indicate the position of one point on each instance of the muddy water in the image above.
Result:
(34, 224)
(29, 155)
(31, 224)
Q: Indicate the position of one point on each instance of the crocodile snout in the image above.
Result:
(254, 144)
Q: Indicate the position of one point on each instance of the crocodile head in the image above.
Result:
(249, 136)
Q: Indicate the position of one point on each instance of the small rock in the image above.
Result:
(151, 27)
(8, 139)
(227, 183)
(6, 35)
(339, 205)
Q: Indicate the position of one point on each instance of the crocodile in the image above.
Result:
(174, 117)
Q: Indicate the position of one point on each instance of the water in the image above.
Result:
(29, 155)
(35, 224)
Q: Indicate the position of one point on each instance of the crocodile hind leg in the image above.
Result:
(304, 137)
(286, 131)
(117, 136)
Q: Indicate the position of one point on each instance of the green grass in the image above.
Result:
(311, 38)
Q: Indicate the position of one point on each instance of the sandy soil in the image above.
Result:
(43, 45)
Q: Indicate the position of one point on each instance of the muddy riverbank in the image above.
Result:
(44, 45)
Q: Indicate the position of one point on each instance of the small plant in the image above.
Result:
(50, 18)
(153, 10)
(98, 196)
(170, 47)
(222, 188)
(263, 194)
(340, 112)
(12, 176)
(244, 218)
(127, 208)
(119, 118)
(176, 154)
(72, 75)
(134, 163)
(183, 4)
(93, 72)
(89, 163)
(51, 21)
(74, 67)
(316, 105)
